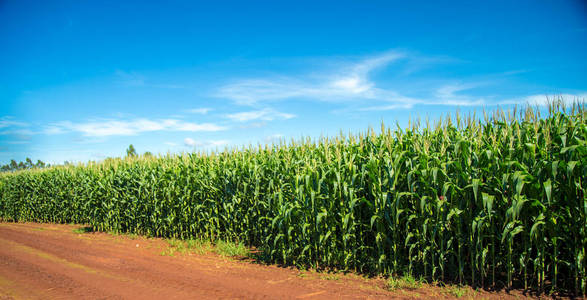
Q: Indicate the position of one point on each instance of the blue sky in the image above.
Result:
(81, 80)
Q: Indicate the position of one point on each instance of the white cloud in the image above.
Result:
(251, 91)
(266, 114)
(353, 85)
(189, 142)
(55, 128)
(20, 142)
(544, 99)
(8, 126)
(204, 144)
(125, 127)
(20, 132)
(201, 111)
(345, 83)
(9, 122)
(252, 125)
(349, 82)
(388, 107)
(218, 143)
(273, 138)
(449, 95)
(448, 91)
(134, 79)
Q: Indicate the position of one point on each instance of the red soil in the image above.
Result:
(48, 261)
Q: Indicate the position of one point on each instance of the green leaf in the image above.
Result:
(548, 190)
(475, 188)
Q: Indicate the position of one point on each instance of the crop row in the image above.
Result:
(498, 201)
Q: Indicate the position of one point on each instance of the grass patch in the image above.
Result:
(85, 229)
(404, 282)
(457, 291)
(197, 246)
(175, 245)
(231, 249)
(201, 246)
(330, 277)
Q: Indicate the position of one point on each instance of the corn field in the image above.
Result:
(496, 201)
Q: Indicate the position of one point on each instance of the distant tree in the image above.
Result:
(40, 164)
(29, 163)
(131, 151)
(13, 165)
(148, 154)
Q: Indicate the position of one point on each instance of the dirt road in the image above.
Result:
(41, 261)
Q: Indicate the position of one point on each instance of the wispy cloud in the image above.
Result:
(204, 144)
(8, 121)
(544, 99)
(104, 128)
(388, 107)
(18, 135)
(252, 125)
(266, 114)
(273, 138)
(355, 88)
(348, 82)
(514, 72)
(19, 132)
(450, 95)
(134, 79)
(201, 111)
(18, 142)
(189, 142)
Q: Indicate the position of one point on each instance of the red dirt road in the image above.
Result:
(47, 261)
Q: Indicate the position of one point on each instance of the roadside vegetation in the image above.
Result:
(497, 201)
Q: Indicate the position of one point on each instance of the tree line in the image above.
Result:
(27, 164)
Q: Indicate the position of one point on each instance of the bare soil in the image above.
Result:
(49, 261)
